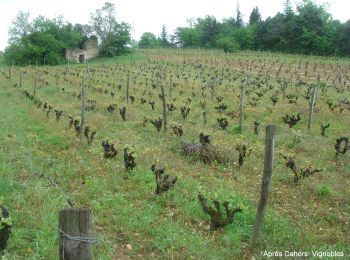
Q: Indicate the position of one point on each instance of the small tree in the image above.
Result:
(20, 27)
(228, 44)
(113, 36)
(239, 20)
(148, 40)
(164, 37)
(255, 16)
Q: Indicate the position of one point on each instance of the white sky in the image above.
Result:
(150, 15)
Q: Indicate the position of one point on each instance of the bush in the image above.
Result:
(324, 191)
(228, 44)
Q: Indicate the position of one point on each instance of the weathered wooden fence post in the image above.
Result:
(212, 87)
(312, 105)
(83, 101)
(57, 78)
(89, 82)
(65, 73)
(164, 102)
(171, 85)
(9, 72)
(127, 88)
(268, 164)
(20, 78)
(241, 110)
(75, 231)
(35, 84)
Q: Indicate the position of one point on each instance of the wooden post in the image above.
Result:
(89, 84)
(20, 78)
(83, 100)
(171, 85)
(127, 88)
(35, 84)
(164, 105)
(212, 86)
(75, 234)
(284, 87)
(241, 110)
(312, 105)
(57, 78)
(10, 72)
(268, 164)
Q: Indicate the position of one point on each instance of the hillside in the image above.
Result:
(45, 166)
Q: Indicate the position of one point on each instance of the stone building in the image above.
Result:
(89, 50)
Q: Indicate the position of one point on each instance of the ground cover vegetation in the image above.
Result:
(309, 29)
(44, 41)
(181, 182)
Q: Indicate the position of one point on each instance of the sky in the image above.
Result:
(150, 15)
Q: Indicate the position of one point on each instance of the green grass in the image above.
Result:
(34, 201)
(132, 56)
(2, 60)
(43, 164)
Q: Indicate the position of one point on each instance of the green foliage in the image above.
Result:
(208, 31)
(45, 40)
(42, 41)
(227, 44)
(114, 37)
(255, 16)
(148, 40)
(324, 191)
(187, 37)
(239, 20)
(308, 30)
(20, 27)
(297, 139)
(54, 140)
(164, 37)
(343, 38)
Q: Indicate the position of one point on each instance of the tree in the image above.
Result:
(113, 36)
(255, 16)
(42, 40)
(288, 10)
(343, 38)
(20, 27)
(228, 44)
(312, 23)
(85, 32)
(239, 20)
(164, 37)
(268, 33)
(148, 40)
(187, 37)
(208, 31)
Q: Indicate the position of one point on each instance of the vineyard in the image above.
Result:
(167, 150)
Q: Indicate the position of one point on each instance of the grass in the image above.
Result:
(2, 60)
(43, 165)
(132, 56)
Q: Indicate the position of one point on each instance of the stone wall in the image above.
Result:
(89, 50)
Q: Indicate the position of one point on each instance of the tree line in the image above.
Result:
(45, 40)
(309, 29)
